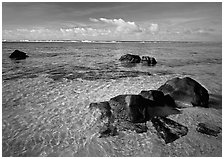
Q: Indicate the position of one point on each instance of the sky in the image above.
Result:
(171, 21)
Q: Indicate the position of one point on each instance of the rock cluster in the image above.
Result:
(132, 111)
(145, 60)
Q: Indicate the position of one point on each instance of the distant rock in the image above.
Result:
(186, 92)
(130, 58)
(168, 129)
(150, 61)
(18, 55)
(208, 128)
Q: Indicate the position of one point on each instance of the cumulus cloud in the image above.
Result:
(111, 28)
(103, 28)
(121, 26)
(153, 27)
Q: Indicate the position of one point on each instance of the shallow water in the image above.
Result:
(45, 98)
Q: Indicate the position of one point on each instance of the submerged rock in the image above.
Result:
(129, 112)
(186, 92)
(130, 58)
(127, 116)
(150, 61)
(208, 129)
(18, 55)
(168, 129)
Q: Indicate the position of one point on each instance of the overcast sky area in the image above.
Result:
(112, 21)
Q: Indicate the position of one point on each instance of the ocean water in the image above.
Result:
(45, 97)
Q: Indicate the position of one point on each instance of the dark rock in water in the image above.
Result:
(112, 121)
(139, 109)
(159, 97)
(186, 91)
(134, 106)
(130, 58)
(129, 112)
(168, 129)
(208, 129)
(18, 55)
(150, 61)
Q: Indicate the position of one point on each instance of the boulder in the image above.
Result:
(130, 58)
(139, 109)
(159, 98)
(129, 107)
(128, 112)
(18, 55)
(186, 92)
(117, 119)
(150, 61)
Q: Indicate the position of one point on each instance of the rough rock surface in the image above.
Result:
(176, 135)
(130, 58)
(159, 97)
(208, 128)
(18, 55)
(129, 112)
(168, 129)
(186, 92)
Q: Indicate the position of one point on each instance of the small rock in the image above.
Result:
(168, 129)
(208, 129)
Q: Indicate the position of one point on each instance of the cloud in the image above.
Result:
(93, 20)
(153, 27)
(121, 26)
(85, 32)
(37, 33)
(202, 31)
